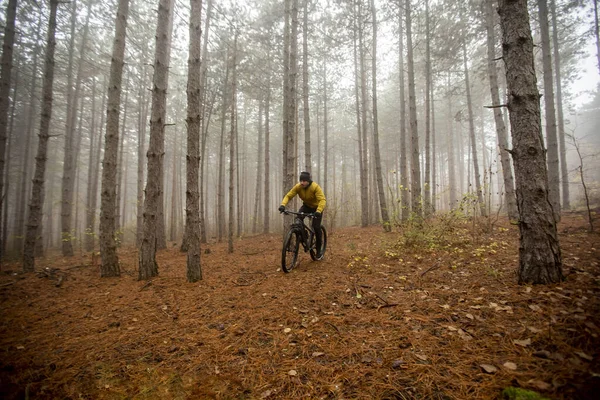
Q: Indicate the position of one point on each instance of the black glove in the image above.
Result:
(281, 208)
(317, 214)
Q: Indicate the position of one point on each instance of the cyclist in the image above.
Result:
(313, 202)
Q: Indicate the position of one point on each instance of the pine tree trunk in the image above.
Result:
(403, 198)
(325, 128)
(305, 91)
(120, 166)
(597, 32)
(108, 196)
(473, 141)
(540, 259)
(267, 204)
(427, 177)
(5, 82)
(433, 157)
(221, 176)
(37, 195)
(509, 186)
(232, 146)
(564, 170)
(364, 173)
(142, 126)
(551, 136)
(192, 207)
(94, 177)
(417, 208)
(153, 213)
(377, 155)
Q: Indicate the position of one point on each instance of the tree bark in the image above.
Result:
(427, 177)
(376, 153)
(148, 266)
(551, 136)
(108, 196)
(564, 170)
(540, 259)
(221, 176)
(509, 186)
(37, 194)
(232, 146)
(5, 82)
(305, 91)
(404, 198)
(417, 208)
(267, 204)
(597, 33)
(364, 174)
(259, 170)
(192, 207)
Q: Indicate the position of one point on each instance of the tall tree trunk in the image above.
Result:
(364, 173)
(473, 140)
(259, 171)
(597, 33)
(37, 195)
(564, 170)
(551, 136)
(305, 89)
(192, 207)
(363, 200)
(509, 186)
(108, 196)
(148, 266)
(69, 163)
(325, 128)
(232, 146)
(540, 259)
(417, 209)
(427, 177)
(92, 195)
(120, 166)
(221, 176)
(267, 210)
(5, 81)
(433, 156)
(376, 153)
(142, 126)
(452, 184)
(404, 198)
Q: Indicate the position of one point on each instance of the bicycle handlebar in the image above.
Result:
(309, 215)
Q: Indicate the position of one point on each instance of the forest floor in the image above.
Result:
(419, 314)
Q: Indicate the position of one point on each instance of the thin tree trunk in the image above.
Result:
(551, 136)
(325, 128)
(473, 142)
(452, 184)
(305, 89)
(192, 235)
(152, 215)
(564, 170)
(232, 146)
(379, 175)
(108, 196)
(267, 209)
(221, 177)
(37, 195)
(433, 156)
(540, 259)
(427, 177)
(597, 33)
(404, 198)
(142, 126)
(417, 208)
(363, 201)
(365, 217)
(509, 186)
(259, 170)
(120, 167)
(5, 82)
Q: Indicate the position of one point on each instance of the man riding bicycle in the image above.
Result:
(313, 202)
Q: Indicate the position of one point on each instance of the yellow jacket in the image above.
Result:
(312, 196)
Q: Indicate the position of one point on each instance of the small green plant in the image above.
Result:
(513, 393)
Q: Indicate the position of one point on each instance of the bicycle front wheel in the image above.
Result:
(289, 253)
(313, 250)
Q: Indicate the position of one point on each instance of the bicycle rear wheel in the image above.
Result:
(313, 250)
(289, 253)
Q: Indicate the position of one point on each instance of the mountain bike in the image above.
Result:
(301, 234)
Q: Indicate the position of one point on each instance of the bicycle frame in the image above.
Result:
(307, 231)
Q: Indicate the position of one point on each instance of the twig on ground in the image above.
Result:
(146, 285)
(434, 267)
(8, 283)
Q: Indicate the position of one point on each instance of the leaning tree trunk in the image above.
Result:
(417, 209)
(108, 193)
(551, 136)
(192, 210)
(376, 153)
(560, 119)
(509, 185)
(5, 77)
(148, 267)
(540, 258)
(37, 192)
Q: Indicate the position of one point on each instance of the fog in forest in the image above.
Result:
(388, 98)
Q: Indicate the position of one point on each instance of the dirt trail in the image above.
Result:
(371, 321)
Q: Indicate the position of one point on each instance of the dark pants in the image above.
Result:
(316, 224)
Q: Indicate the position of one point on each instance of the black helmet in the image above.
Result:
(305, 176)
